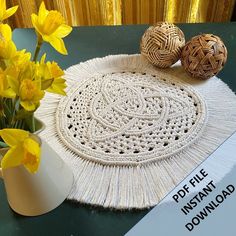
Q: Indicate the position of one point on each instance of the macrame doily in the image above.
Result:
(131, 132)
(129, 118)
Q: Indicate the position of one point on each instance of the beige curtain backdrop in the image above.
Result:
(116, 12)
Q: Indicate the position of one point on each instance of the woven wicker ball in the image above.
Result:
(204, 56)
(162, 43)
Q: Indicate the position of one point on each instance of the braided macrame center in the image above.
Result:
(129, 118)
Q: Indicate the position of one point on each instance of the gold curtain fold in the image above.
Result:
(116, 12)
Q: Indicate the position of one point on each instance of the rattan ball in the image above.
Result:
(204, 56)
(162, 43)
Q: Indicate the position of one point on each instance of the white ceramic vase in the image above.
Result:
(35, 194)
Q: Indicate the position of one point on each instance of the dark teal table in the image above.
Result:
(85, 43)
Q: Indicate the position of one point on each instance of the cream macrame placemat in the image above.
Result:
(131, 132)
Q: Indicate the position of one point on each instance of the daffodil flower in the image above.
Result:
(21, 58)
(30, 94)
(7, 46)
(51, 27)
(9, 56)
(51, 77)
(5, 13)
(26, 85)
(24, 150)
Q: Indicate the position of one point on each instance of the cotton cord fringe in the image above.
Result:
(131, 132)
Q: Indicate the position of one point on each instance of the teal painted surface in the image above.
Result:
(85, 43)
(88, 42)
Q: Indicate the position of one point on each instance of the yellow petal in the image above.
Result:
(31, 158)
(5, 32)
(3, 5)
(21, 59)
(39, 94)
(8, 50)
(43, 58)
(62, 31)
(43, 71)
(29, 89)
(29, 105)
(2, 9)
(9, 12)
(13, 137)
(53, 20)
(13, 157)
(5, 89)
(12, 74)
(54, 69)
(31, 162)
(57, 43)
(31, 146)
(8, 93)
(42, 14)
(34, 19)
(58, 86)
(14, 83)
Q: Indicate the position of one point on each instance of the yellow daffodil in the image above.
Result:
(58, 85)
(5, 89)
(51, 76)
(21, 58)
(7, 47)
(30, 94)
(8, 52)
(26, 84)
(5, 13)
(51, 27)
(24, 150)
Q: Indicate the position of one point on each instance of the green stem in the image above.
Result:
(19, 124)
(1, 106)
(32, 123)
(2, 114)
(37, 49)
(14, 110)
(7, 102)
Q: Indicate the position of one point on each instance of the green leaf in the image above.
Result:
(7, 110)
(22, 114)
(17, 104)
(30, 122)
